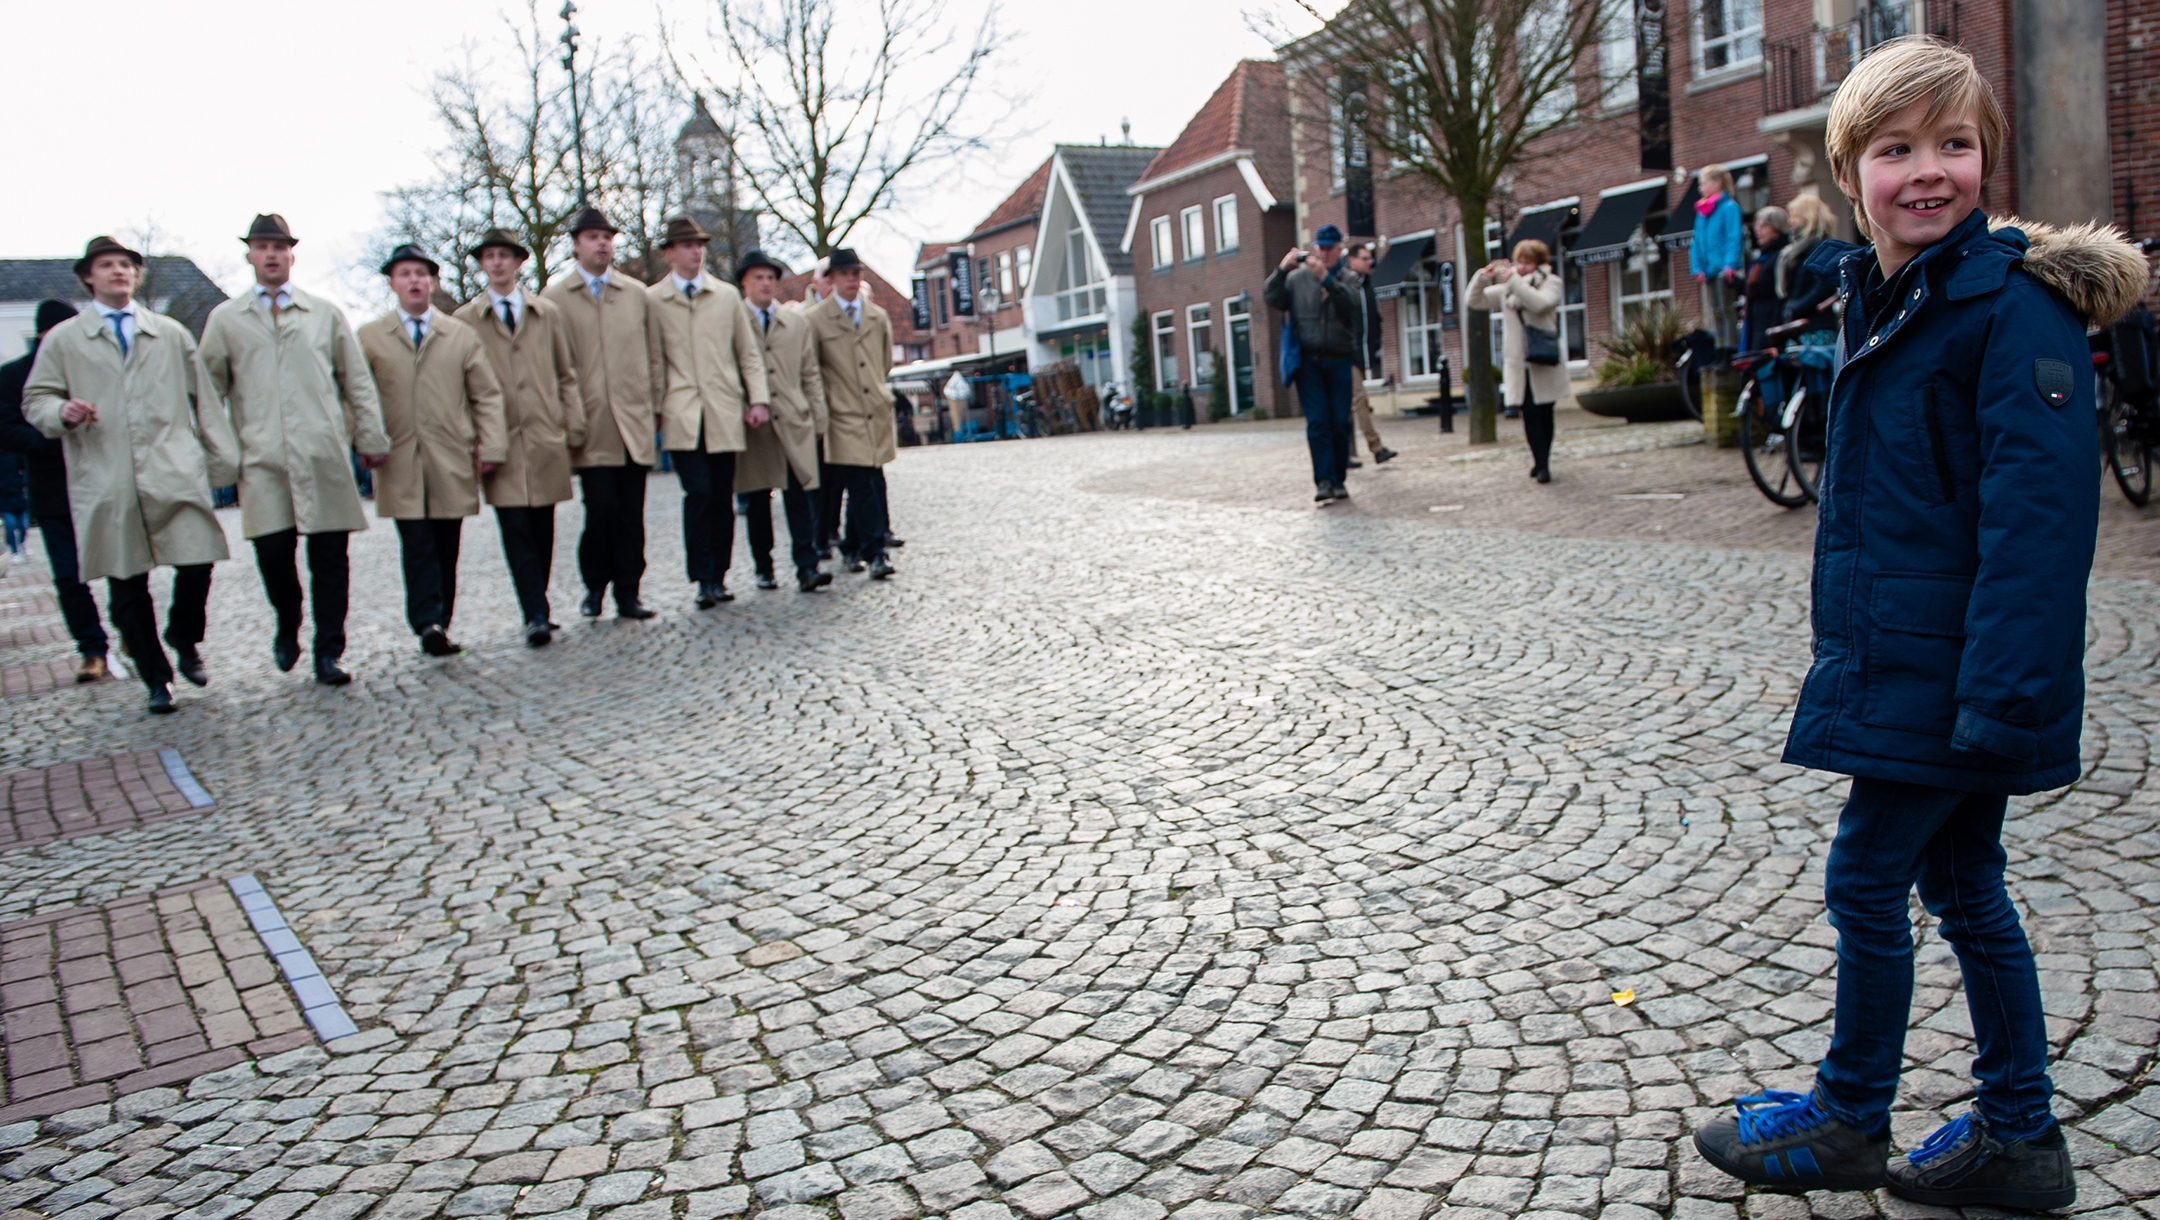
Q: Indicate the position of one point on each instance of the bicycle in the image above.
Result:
(1692, 353)
(1783, 407)
(2127, 385)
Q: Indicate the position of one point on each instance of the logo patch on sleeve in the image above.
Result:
(2054, 381)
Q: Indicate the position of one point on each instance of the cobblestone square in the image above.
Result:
(1153, 844)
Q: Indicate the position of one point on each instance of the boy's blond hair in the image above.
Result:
(1895, 75)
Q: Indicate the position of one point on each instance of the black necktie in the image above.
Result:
(509, 317)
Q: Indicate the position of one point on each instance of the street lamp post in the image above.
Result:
(577, 110)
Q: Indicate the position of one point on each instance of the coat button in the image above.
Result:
(1873, 340)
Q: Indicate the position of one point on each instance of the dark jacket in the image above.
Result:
(1324, 310)
(1958, 510)
(41, 454)
(1805, 288)
(1759, 293)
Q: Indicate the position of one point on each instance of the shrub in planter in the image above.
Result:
(1640, 352)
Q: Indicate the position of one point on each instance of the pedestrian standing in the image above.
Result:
(528, 346)
(443, 409)
(1804, 293)
(1714, 253)
(145, 440)
(619, 369)
(1758, 289)
(302, 403)
(1323, 313)
(854, 337)
(1527, 294)
(46, 462)
(782, 452)
(1366, 354)
(715, 383)
(1952, 554)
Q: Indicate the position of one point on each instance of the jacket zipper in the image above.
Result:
(1940, 446)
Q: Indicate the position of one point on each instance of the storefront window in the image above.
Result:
(1199, 332)
(1166, 366)
(1422, 323)
(1643, 277)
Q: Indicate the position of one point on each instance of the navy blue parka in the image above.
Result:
(1959, 497)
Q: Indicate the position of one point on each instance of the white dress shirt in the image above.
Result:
(280, 295)
(517, 305)
(593, 283)
(426, 321)
(852, 308)
(684, 286)
(126, 314)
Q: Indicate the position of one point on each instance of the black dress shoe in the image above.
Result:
(1341, 492)
(811, 582)
(539, 635)
(285, 654)
(1354, 464)
(855, 565)
(633, 610)
(436, 642)
(161, 703)
(880, 569)
(765, 581)
(892, 541)
(1323, 492)
(706, 598)
(590, 607)
(1384, 455)
(329, 673)
(1543, 475)
(191, 666)
(824, 553)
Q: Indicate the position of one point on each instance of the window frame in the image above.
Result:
(1731, 42)
(1162, 252)
(1192, 224)
(1004, 281)
(940, 283)
(1424, 327)
(1620, 299)
(1024, 265)
(1197, 329)
(1226, 235)
(1163, 326)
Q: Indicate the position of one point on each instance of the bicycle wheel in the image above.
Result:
(2129, 455)
(1691, 388)
(1764, 447)
(1807, 442)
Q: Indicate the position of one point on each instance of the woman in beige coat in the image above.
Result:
(1526, 293)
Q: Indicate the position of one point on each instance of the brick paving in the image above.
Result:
(39, 678)
(1148, 846)
(91, 796)
(25, 635)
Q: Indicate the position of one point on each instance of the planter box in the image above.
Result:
(1638, 404)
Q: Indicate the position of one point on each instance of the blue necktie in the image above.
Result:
(119, 330)
(416, 333)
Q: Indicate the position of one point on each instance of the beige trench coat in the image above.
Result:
(444, 411)
(543, 410)
(619, 367)
(1535, 298)
(301, 401)
(713, 365)
(139, 478)
(857, 359)
(789, 438)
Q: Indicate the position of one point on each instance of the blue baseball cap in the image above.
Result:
(1328, 235)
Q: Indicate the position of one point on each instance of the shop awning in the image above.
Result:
(1604, 239)
(1542, 225)
(1680, 230)
(1402, 258)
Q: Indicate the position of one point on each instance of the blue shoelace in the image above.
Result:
(1775, 1113)
(1947, 1139)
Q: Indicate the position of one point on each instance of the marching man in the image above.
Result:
(783, 452)
(146, 441)
(297, 386)
(528, 345)
(444, 412)
(620, 373)
(715, 387)
(855, 344)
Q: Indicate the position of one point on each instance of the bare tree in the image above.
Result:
(1468, 92)
(818, 104)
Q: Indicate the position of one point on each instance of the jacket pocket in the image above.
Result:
(1914, 646)
(1938, 445)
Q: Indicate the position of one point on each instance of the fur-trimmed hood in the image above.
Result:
(2092, 266)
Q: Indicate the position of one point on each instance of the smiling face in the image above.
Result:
(1917, 180)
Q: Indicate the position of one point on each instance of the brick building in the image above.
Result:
(1211, 216)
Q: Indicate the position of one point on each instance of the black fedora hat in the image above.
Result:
(271, 227)
(757, 258)
(502, 238)
(592, 218)
(410, 253)
(682, 228)
(842, 258)
(102, 245)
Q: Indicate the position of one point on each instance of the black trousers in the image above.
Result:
(1537, 426)
(830, 489)
(430, 549)
(865, 536)
(611, 551)
(802, 521)
(528, 538)
(330, 574)
(708, 512)
(135, 616)
(76, 602)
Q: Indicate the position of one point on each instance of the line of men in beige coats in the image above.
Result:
(506, 398)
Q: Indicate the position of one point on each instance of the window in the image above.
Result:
(1544, 35)
(1195, 233)
(1080, 279)
(1199, 329)
(1728, 33)
(1338, 138)
(1005, 274)
(1226, 224)
(1024, 264)
(1166, 375)
(982, 275)
(942, 297)
(1617, 61)
(1572, 306)
(1423, 326)
(1643, 277)
(1159, 242)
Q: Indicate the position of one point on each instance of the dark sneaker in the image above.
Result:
(1323, 491)
(1964, 1165)
(1383, 456)
(1786, 1142)
(190, 664)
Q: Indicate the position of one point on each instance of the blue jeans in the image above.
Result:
(1890, 837)
(1323, 393)
(18, 530)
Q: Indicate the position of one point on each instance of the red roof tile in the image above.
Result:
(1249, 110)
(1025, 203)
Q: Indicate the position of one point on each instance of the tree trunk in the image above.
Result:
(1480, 395)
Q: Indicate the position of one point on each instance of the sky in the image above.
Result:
(189, 119)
